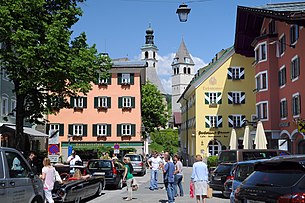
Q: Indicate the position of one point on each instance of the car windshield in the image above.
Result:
(134, 157)
(275, 178)
(243, 171)
(258, 155)
(227, 156)
(224, 168)
(100, 164)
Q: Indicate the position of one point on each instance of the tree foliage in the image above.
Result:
(154, 114)
(40, 58)
(164, 140)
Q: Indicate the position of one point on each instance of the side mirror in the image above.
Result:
(31, 175)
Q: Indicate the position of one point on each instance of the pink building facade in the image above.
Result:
(109, 114)
(274, 34)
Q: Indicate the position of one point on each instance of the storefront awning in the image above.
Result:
(27, 130)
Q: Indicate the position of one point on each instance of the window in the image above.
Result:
(214, 147)
(296, 104)
(184, 70)
(18, 168)
(125, 78)
(101, 129)
(236, 121)
(236, 73)
(56, 126)
(13, 106)
(126, 102)
(295, 68)
(102, 102)
(189, 71)
(282, 44)
(272, 27)
(5, 75)
(294, 34)
(4, 110)
(213, 121)
(78, 130)
(282, 76)
(261, 81)
(236, 97)
(260, 52)
(146, 55)
(187, 60)
(103, 80)
(283, 108)
(212, 98)
(262, 110)
(78, 102)
(126, 129)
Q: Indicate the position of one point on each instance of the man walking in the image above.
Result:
(154, 164)
(169, 179)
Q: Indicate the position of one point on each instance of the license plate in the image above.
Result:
(134, 164)
(217, 178)
(253, 201)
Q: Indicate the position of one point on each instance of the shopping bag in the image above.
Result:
(134, 185)
(191, 189)
(209, 192)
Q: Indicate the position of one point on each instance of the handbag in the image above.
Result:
(191, 189)
(134, 185)
(209, 192)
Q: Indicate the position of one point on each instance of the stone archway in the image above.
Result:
(284, 135)
(301, 147)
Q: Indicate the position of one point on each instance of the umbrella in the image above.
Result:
(233, 140)
(260, 137)
(247, 142)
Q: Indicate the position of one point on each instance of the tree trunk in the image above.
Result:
(19, 135)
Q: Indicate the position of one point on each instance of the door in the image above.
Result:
(19, 184)
(3, 182)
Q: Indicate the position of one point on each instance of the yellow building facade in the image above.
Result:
(219, 98)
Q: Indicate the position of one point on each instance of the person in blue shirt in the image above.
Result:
(200, 178)
(169, 178)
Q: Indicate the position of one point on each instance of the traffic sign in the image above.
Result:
(116, 151)
(301, 126)
(116, 146)
(53, 149)
(54, 158)
(53, 136)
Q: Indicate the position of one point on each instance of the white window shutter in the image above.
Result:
(230, 73)
(219, 121)
(242, 98)
(242, 73)
(207, 122)
(207, 98)
(230, 98)
(230, 120)
(218, 99)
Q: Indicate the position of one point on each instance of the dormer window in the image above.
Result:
(187, 60)
(125, 78)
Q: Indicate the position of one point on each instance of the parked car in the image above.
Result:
(220, 175)
(113, 169)
(17, 181)
(241, 171)
(237, 155)
(278, 180)
(138, 163)
(76, 189)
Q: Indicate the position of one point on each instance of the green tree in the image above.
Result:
(154, 114)
(164, 140)
(40, 58)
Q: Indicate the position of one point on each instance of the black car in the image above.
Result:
(76, 189)
(277, 180)
(113, 169)
(220, 175)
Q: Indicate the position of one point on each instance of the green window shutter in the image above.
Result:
(61, 102)
(109, 79)
(119, 130)
(133, 129)
(109, 102)
(85, 130)
(61, 129)
(207, 121)
(85, 102)
(120, 102)
(230, 121)
(243, 123)
(71, 102)
(206, 98)
(95, 102)
(131, 78)
(94, 127)
(133, 102)
(242, 73)
(119, 78)
(219, 121)
(108, 129)
(96, 78)
(70, 130)
(47, 128)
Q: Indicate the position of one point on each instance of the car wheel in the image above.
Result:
(99, 190)
(77, 200)
(37, 200)
(120, 184)
(225, 194)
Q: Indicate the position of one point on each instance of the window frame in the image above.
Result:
(294, 34)
(101, 130)
(282, 76)
(295, 68)
(260, 51)
(78, 102)
(78, 130)
(262, 80)
(125, 78)
(127, 129)
(4, 108)
(261, 111)
(296, 107)
(126, 100)
(283, 109)
(282, 44)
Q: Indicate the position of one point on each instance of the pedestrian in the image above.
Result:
(169, 178)
(114, 157)
(154, 163)
(178, 176)
(128, 177)
(73, 160)
(48, 178)
(200, 179)
(32, 162)
(106, 156)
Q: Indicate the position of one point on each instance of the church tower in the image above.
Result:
(149, 55)
(182, 73)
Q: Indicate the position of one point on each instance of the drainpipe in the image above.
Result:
(187, 132)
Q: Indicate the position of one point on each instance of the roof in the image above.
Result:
(26, 130)
(153, 77)
(249, 21)
(183, 53)
(128, 64)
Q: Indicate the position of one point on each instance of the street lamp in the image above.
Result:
(183, 12)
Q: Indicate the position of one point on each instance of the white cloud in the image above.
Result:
(164, 69)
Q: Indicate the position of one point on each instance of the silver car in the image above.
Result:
(17, 181)
(138, 163)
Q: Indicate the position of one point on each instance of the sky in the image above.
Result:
(118, 27)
